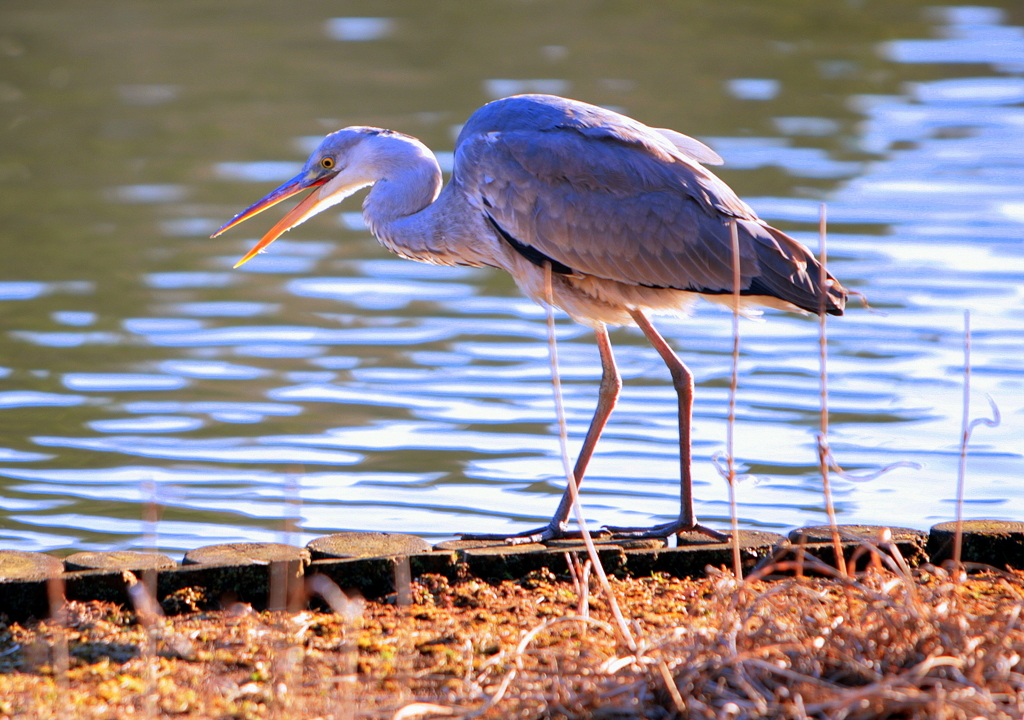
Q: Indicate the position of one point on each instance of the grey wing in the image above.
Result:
(619, 210)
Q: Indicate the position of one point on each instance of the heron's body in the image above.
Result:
(625, 216)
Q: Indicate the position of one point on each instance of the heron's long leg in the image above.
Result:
(608, 395)
(682, 380)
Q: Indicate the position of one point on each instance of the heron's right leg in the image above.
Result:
(682, 380)
(608, 395)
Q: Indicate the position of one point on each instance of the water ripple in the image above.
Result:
(300, 335)
(67, 339)
(422, 392)
(10, 455)
(384, 294)
(21, 290)
(121, 382)
(29, 398)
(230, 412)
(148, 424)
(213, 369)
(226, 450)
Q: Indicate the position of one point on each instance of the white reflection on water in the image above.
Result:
(440, 374)
(973, 35)
(359, 29)
(748, 153)
(163, 193)
(117, 382)
(268, 336)
(499, 87)
(73, 317)
(335, 362)
(9, 455)
(28, 290)
(389, 294)
(21, 290)
(148, 424)
(753, 88)
(278, 350)
(67, 339)
(189, 227)
(225, 308)
(813, 126)
(235, 450)
(352, 221)
(273, 262)
(124, 533)
(258, 172)
(398, 268)
(213, 369)
(974, 91)
(231, 412)
(143, 326)
(30, 398)
(440, 408)
(172, 280)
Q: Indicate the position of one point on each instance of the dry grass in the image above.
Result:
(884, 643)
(879, 645)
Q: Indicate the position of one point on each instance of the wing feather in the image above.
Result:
(608, 199)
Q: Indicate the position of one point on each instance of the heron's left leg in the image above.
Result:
(608, 395)
(682, 380)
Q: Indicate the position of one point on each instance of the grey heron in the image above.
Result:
(623, 217)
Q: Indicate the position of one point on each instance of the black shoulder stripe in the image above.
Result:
(530, 253)
(756, 288)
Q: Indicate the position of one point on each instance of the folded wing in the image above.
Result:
(618, 201)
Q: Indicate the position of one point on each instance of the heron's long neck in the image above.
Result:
(400, 207)
(409, 217)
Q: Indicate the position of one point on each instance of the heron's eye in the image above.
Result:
(327, 163)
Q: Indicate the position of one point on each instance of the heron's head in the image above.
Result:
(340, 166)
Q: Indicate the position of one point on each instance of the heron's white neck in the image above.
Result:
(406, 210)
(407, 179)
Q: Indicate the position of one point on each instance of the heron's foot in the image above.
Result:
(663, 531)
(551, 531)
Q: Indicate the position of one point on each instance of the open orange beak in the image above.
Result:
(296, 215)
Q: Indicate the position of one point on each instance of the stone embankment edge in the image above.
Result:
(381, 565)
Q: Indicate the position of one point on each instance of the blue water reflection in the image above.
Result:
(233, 450)
(972, 35)
(121, 382)
(359, 29)
(344, 388)
(230, 412)
(147, 424)
(226, 308)
(29, 398)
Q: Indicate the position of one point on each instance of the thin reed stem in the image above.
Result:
(146, 590)
(823, 449)
(60, 656)
(563, 444)
(737, 565)
(966, 428)
(965, 435)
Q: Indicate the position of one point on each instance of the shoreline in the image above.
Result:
(376, 565)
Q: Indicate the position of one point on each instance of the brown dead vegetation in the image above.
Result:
(884, 644)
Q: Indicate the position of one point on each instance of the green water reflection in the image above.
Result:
(116, 115)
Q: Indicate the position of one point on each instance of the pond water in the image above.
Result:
(150, 395)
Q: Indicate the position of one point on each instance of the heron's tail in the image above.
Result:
(804, 289)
